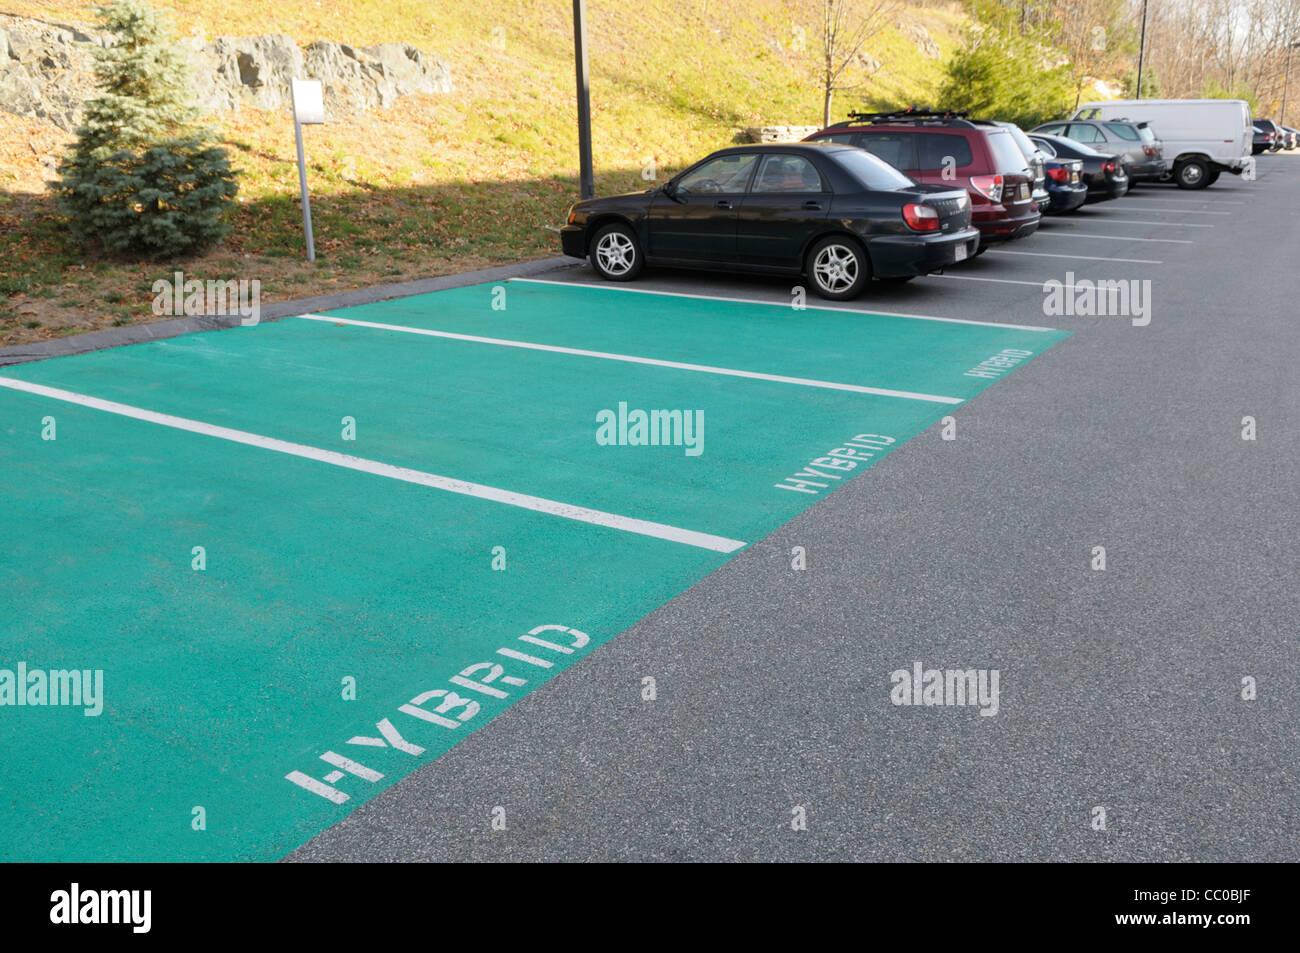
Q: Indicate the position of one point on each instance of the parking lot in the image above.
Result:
(398, 492)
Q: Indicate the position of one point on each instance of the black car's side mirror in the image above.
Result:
(670, 190)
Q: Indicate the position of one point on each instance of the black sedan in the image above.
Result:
(1103, 172)
(1065, 188)
(832, 212)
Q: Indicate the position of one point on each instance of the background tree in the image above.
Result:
(142, 176)
(841, 28)
(1008, 68)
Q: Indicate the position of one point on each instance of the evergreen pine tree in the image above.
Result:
(142, 175)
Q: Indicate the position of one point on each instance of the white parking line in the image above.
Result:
(775, 304)
(1160, 211)
(1129, 221)
(1043, 254)
(1116, 238)
(1000, 281)
(582, 514)
(633, 359)
(1178, 202)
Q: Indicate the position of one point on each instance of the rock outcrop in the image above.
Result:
(47, 71)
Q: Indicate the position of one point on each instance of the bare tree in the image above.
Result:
(844, 27)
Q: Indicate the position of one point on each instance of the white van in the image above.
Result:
(1201, 137)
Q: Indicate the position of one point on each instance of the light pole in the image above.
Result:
(586, 178)
(1142, 49)
(1287, 79)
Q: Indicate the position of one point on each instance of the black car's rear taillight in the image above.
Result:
(920, 218)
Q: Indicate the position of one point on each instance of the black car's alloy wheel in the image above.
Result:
(616, 253)
(838, 268)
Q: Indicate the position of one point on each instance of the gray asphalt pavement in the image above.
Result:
(1120, 689)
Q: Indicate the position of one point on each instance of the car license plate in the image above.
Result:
(1074, 178)
(961, 252)
(1024, 190)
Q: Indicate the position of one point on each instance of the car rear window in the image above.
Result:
(1022, 140)
(1144, 131)
(1082, 148)
(1123, 130)
(872, 172)
(1007, 156)
(894, 147)
(937, 150)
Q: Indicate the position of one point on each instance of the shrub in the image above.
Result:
(142, 176)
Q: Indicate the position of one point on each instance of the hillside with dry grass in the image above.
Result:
(447, 182)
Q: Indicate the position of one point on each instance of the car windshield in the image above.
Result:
(872, 172)
(1007, 156)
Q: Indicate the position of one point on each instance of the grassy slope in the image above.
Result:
(443, 183)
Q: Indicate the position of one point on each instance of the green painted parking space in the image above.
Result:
(833, 343)
(222, 682)
(219, 683)
(516, 419)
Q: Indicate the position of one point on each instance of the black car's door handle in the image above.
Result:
(812, 206)
(722, 203)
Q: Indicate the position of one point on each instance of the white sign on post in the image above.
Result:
(308, 110)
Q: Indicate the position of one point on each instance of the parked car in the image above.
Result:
(1202, 137)
(1293, 137)
(1273, 132)
(1066, 189)
(1262, 140)
(1134, 142)
(1102, 173)
(947, 148)
(1037, 162)
(834, 213)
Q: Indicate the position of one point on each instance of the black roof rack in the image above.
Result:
(917, 114)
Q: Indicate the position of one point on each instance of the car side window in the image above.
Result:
(725, 174)
(786, 173)
(938, 151)
(898, 149)
(1054, 129)
(1123, 131)
(1046, 146)
(1082, 132)
(844, 138)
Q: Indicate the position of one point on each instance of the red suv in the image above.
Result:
(947, 148)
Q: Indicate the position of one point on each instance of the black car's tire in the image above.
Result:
(838, 268)
(1192, 174)
(616, 253)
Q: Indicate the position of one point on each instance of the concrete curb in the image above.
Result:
(136, 334)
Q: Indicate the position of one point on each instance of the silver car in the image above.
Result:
(1135, 142)
(1037, 161)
